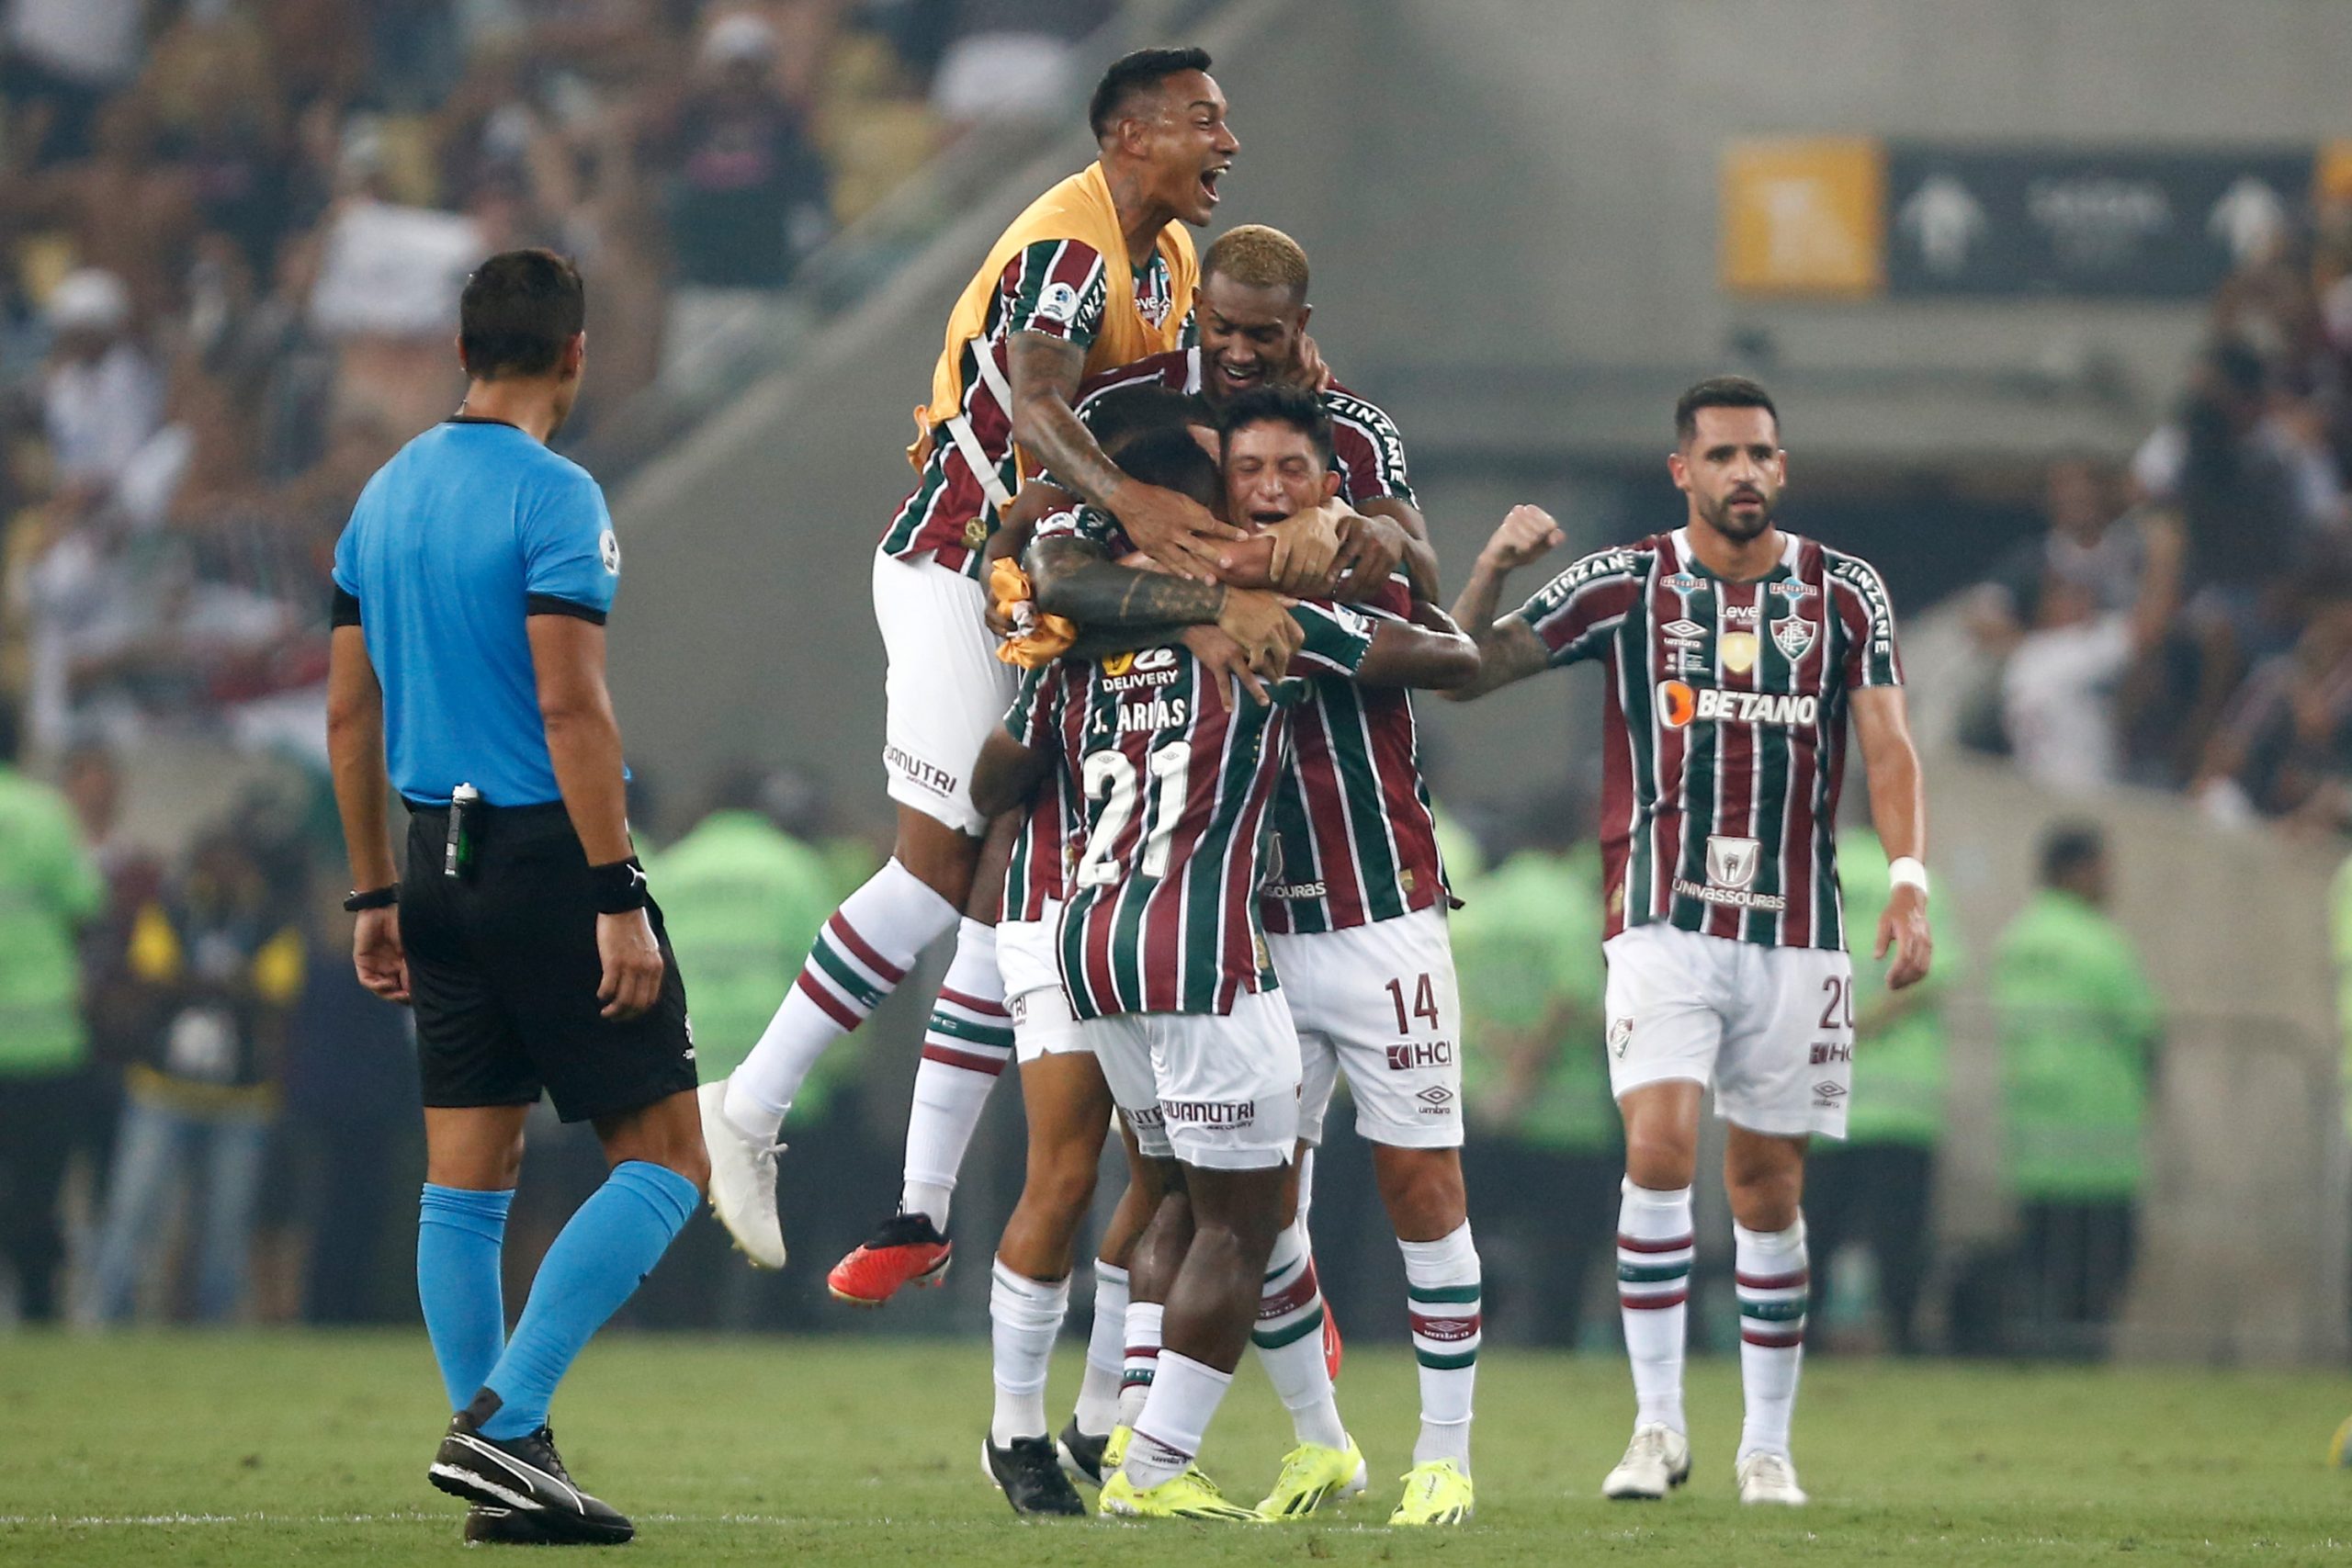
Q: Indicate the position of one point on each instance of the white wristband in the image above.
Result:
(1906, 871)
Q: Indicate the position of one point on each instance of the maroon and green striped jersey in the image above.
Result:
(1058, 288)
(1723, 745)
(1371, 453)
(1044, 720)
(1173, 772)
(1355, 838)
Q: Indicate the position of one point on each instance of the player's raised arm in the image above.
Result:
(1509, 650)
(1174, 530)
(1899, 811)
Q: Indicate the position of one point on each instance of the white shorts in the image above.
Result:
(1772, 1028)
(945, 688)
(1220, 1093)
(1378, 1002)
(1043, 1024)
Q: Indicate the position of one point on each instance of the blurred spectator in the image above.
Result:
(2257, 493)
(2284, 747)
(750, 188)
(351, 1119)
(111, 1001)
(2080, 1024)
(64, 57)
(101, 397)
(1544, 1165)
(741, 896)
(1013, 59)
(47, 889)
(1874, 1190)
(220, 957)
(2077, 616)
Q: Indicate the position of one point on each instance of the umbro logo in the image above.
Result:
(1683, 628)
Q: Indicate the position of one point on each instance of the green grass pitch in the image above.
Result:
(235, 1450)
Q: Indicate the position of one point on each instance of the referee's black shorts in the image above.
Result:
(503, 973)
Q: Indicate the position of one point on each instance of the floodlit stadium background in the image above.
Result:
(1961, 243)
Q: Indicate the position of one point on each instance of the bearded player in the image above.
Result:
(1092, 275)
(1734, 652)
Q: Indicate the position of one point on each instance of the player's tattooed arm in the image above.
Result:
(1509, 650)
(1006, 773)
(1899, 812)
(1071, 579)
(1174, 530)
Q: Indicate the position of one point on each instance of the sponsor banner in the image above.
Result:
(2124, 222)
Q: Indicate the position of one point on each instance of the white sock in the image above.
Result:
(967, 1045)
(1184, 1397)
(1774, 1280)
(1106, 1352)
(1142, 1359)
(1306, 1192)
(1441, 1291)
(1025, 1316)
(1289, 1338)
(1654, 1248)
(858, 958)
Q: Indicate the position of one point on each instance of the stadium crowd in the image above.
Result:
(2185, 619)
(235, 228)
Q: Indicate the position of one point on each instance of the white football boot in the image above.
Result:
(742, 1180)
(1656, 1461)
(1766, 1477)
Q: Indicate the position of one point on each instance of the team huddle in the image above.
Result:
(1155, 612)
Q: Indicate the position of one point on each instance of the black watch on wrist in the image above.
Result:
(382, 898)
(619, 888)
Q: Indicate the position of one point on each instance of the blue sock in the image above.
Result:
(458, 1234)
(602, 1255)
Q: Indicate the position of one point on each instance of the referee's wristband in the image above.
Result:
(619, 888)
(1906, 871)
(382, 898)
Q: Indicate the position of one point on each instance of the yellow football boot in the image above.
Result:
(1186, 1496)
(1311, 1474)
(1435, 1494)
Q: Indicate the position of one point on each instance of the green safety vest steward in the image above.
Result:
(1527, 950)
(2078, 1024)
(47, 889)
(742, 900)
(1900, 1036)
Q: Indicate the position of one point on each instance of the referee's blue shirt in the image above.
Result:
(472, 527)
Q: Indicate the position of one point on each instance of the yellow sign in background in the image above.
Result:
(1805, 215)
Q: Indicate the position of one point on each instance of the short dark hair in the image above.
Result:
(1133, 73)
(1720, 392)
(1122, 413)
(1274, 404)
(2068, 848)
(519, 310)
(1172, 459)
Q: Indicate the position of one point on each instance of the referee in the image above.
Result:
(468, 651)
